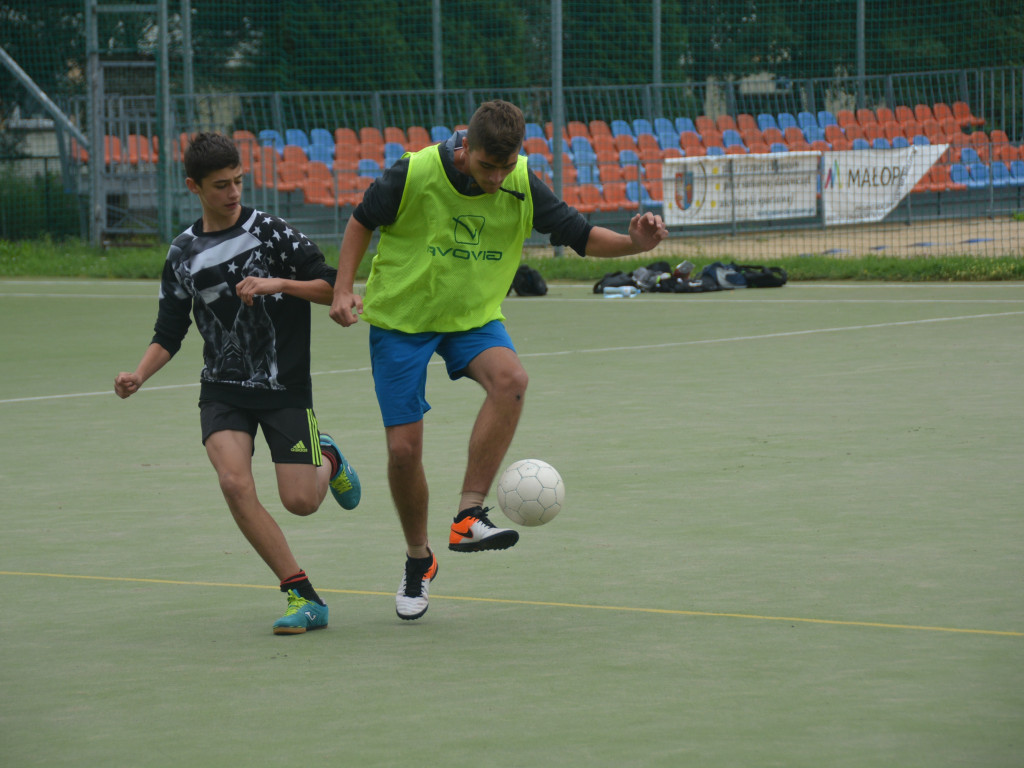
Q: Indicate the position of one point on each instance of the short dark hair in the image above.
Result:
(497, 127)
(208, 152)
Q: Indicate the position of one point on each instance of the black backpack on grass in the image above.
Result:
(528, 282)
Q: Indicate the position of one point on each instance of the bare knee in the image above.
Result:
(236, 486)
(301, 504)
(510, 384)
(405, 450)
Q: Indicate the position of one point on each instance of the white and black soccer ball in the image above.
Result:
(531, 492)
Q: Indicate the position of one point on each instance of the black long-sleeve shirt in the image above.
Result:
(254, 357)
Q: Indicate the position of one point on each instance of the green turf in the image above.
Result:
(792, 537)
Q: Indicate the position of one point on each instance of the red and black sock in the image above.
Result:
(301, 584)
(332, 458)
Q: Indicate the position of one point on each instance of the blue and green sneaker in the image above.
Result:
(302, 614)
(345, 482)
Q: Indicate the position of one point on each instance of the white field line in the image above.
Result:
(596, 350)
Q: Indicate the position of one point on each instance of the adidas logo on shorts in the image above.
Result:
(300, 447)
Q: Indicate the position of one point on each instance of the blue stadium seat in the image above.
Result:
(580, 145)
(1017, 172)
(977, 175)
(958, 174)
(321, 137)
(860, 143)
(813, 133)
(637, 193)
(629, 157)
(642, 125)
(441, 133)
(900, 142)
(537, 162)
(392, 152)
(880, 142)
(321, 154)
(370, 168)
(535, 129)
(778, 146)
(731, 138)
(685, 124)
(716, 151)
(296, 137)
(921, 140)
(969, 156)
(270, 138)
(664, 125)
(668, 139)
(621, 128)
(785, 120)
(587, 173)
(1000, 174)
(765, 120)
(806, 119)
(825, 117)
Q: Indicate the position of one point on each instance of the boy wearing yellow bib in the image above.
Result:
(453, 218)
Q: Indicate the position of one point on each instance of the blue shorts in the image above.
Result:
(400, 360)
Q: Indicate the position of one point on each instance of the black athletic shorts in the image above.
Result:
(291, 433)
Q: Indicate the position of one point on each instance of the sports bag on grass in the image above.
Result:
(528, 282)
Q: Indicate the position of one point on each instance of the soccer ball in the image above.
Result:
(531, 492)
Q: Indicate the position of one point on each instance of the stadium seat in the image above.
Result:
(731, 137)
(539, 165)
(580, 145)
(140, 149)
(820, 145)
(872, 131)
(854, 131)
(726, 123)
(537, 145)
(621, 128)
(689, 139)
(903, 113)
(625, 141)
(647, 142)
(715, 150)
(885, 115)
(911, 128)
(900, 142)
(833, 132)
(772, 135)
(418, 138)
(962, 112)
(642, 125)
(841, 144)
(736, 149)
(978, 175)
(685, 124)
(813, 133)
(958, 175)
(590, 197)
(826, 118)
(533, 130)
(881, 143)
(668, 140)
(891, 129)
(1017, 172)
(745, 122)
(318, 186)
(638, 194)
(778, 146)
(1000, 174)
(395, 135)
(861, 143)
(345, 136)
(372, 151)
(792, 134)
(292, 153)
(921, 140)
(752, 136)
(663, 125)
(614, 193)
(758, 148)
(321, 153)
(786, 120)
(291, 174)
(923, 113)
(369, 134)
(969, 156)
(711, 138)
(865, 117)
(806, 119)
(588, 173)
(393, 151)
(766, 121)
(369, 168)
(439, 133)
(271, 138)
(577, 128)
(845, 117)
(296, 137)
(599, 128)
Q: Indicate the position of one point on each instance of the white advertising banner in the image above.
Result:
(865, 185)
(726, 188)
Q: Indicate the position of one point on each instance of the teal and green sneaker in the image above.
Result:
(345, 482)
(302, 614)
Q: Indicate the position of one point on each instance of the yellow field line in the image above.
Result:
(542, 603)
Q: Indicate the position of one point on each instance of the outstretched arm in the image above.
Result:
(153, 359)
(347, 305)
(645, 232)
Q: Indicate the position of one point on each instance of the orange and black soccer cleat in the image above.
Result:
(473, 531)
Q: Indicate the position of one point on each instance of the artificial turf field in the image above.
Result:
(793, 536)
